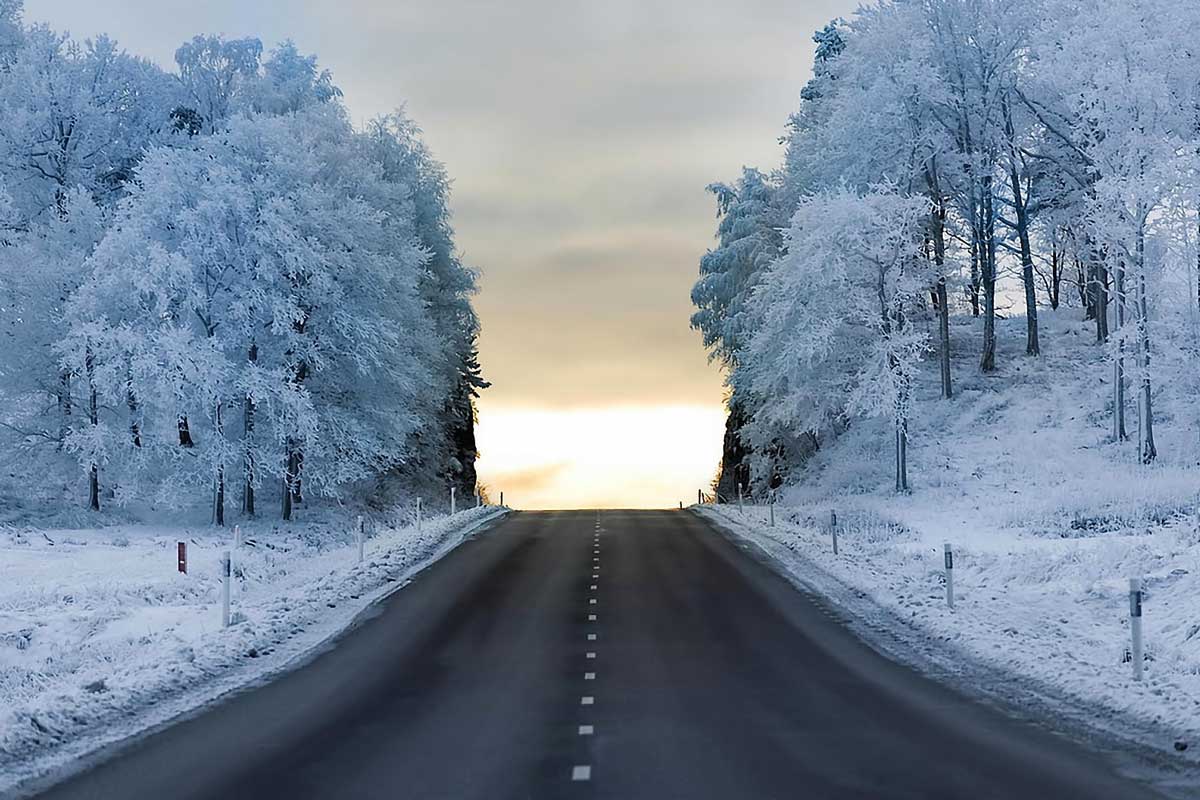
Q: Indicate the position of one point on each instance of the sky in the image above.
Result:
(580, 137)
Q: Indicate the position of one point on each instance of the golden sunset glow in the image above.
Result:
(621, 456)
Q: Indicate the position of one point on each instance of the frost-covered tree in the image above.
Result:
(259, 271)
(833, 335)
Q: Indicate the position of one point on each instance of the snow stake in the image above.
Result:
(502, 499)
(226, 579)
(237, 536)
(359, 536)
(741, 509)
(418, 515)
(699, 497)
(1135, 625)
(772, 506)
(949, 552)
(452, 504)
(182, 557)
(833, 530)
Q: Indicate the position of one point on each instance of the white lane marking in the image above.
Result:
(586, 730)
(589, 676)
(581, 773)
(591, 617)
(591, 654)
(593, 587)
(592, 601)
(595, 574)
(591, 637)
(587, 700)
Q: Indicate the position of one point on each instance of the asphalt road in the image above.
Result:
(615, 654)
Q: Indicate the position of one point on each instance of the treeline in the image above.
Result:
(947, 156)
(212, 284)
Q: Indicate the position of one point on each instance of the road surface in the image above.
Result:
(614, 654)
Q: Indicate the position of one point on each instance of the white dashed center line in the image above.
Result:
(587, 700)
(591, 637)
(591, 655)
(586, 730)
(591, 617)
(581, 773)
(589, 676)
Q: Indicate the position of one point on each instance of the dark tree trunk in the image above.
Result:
(1032, 342)
(1119, 433)
(219, 488)
(938, 235)
(135, 429)
(987, 360)
(901, 455)
(94, 419)
(64, 406)
(973, 286)
(1146, 449)
(1033, 345)
(248, 477)
(291, 479)
(185, 432)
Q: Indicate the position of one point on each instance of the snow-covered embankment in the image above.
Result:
(101, 638)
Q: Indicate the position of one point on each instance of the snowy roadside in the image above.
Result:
(1042, 624)
(101, 639)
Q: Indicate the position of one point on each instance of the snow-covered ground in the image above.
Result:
(101, 637)
(1048, 518)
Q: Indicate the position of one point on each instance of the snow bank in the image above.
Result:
(101, 637)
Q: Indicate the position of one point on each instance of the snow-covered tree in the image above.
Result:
(833, 334)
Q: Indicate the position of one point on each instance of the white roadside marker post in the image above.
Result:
(1135, 625)
(502, 499)
(418, 515)
(771, 503)
(833, 530)
(699, 497)
(478, 499)
(741, 508)
(949, 554)
(453, 507)
(358, 535)
(226, 578)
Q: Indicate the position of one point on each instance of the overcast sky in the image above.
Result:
(580, 136)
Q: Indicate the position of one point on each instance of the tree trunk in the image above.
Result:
(1099, 284)
(1032, 343)
(185, 432)
(901, 455)
(987, 361)
(89, 362)
(938, 220)
(248, 477)
(64, 406)
(1119, 433)
(1146, 449)
(135, 429)
(219, 487)
(973, 287)
(291, 477)
(944, 339)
